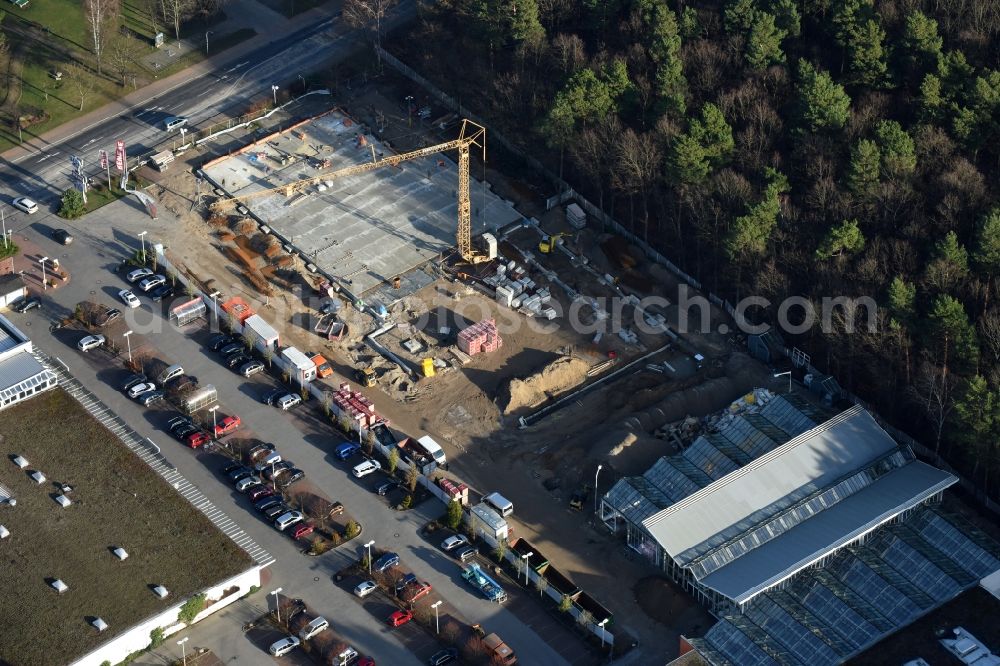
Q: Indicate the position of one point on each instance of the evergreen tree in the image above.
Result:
(822, 103)
(763, 44)
(524, 23)
(977, 415)
(896, 146)
(844, 238)
(863, 170)
(751, 232)
(664, 50)
(584, 100)
(687, 161)
(987, 254)
(690, 25)
(786, 16)
(902, 301)
(847, 15)
(931, 97)
(713, 133)
(866, 54)
(737, 17)
(921, 42)
(951, 334)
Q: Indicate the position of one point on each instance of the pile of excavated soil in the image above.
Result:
(522, 395)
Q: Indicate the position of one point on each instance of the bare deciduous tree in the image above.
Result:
(638, 161)
(122, 55)
(176, 12)
(369, 14)
(933, 389)
(101, 17)
(81, 82)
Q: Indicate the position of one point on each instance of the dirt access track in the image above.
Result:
(468, 407)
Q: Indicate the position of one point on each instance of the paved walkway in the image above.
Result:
(270, 26)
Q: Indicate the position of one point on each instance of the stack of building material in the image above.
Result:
(575, 216)
(480, 337)
(355, 406)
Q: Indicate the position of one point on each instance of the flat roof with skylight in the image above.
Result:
(62, 569)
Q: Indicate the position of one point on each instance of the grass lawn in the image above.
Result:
(49, 34)
(117, 501)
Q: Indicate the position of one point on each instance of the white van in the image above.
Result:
(173, 372)
(174, 122)
(501, 504)
(313, 628)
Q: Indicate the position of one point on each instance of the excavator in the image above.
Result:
(365, 376)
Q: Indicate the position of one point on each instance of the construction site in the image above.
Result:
(516, 336)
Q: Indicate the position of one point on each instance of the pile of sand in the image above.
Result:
(523, 395)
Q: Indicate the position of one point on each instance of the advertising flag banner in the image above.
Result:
(104, 159)
(120, 155)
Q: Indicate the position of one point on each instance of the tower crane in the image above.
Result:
(470, 134)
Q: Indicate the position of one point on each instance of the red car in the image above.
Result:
(196, 439)
(400, 618)
(301, 530)
(227, 425)
(414, 591)
(366, 661)
(260, 492)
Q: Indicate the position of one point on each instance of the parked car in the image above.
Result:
(346, 450)
(273, 512)
(90, 342)
(366, 661)
(196, 439)
(415, 591)
(232, 348)
(23, 304)
(62, 237)
(238, 473)
(265, 502)
(236, 360)
(404, 581)
(286, 520)
(260, 492)
(262, 449)
(271, 473)
(290, 477)
(220, 340)
(128, 298)
(162, 292)
(138, 274)
(263, 462)
(247, 483)
(139, 389)
(442, 657)
(268, 397)
(109, 316)
(383, 488)
(152, 282)
(152, 397)
(365, 588)
(227, 425)
(366, 468)
(303, 529)
(134, 379)
(251, 368)
(315, 626)
(399, 618)
(284, 646)
(25, 204)
(466, 554)
(453, 542)
(288, 401)
(386, 562)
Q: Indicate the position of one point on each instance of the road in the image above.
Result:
(101, 241)
(228, 88)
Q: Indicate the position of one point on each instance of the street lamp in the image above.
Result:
(525, 558)
(302, 78)
(213, 410)
(181, 642)
(596, 494)
(782, 374)
(601, 625)
(3, 225)
(207, 33)
(183, 131)
(128, 342)
(369, 547)
(274, 92)
(277, 606)
(437, 623)
(215, 306)
(142, 239)
(274, 478)
(42, 262)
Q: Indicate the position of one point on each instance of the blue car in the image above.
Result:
(386, 562)
(346, 450)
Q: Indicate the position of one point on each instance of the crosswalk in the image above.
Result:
(149, 453)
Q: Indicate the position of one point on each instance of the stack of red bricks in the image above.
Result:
(355, 406)
(480, 337)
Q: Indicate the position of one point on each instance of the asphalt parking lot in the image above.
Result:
(91, 259)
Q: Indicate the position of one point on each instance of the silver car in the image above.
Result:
(90, 342)
(25, 204)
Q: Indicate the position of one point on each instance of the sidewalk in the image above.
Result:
(270, 26)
